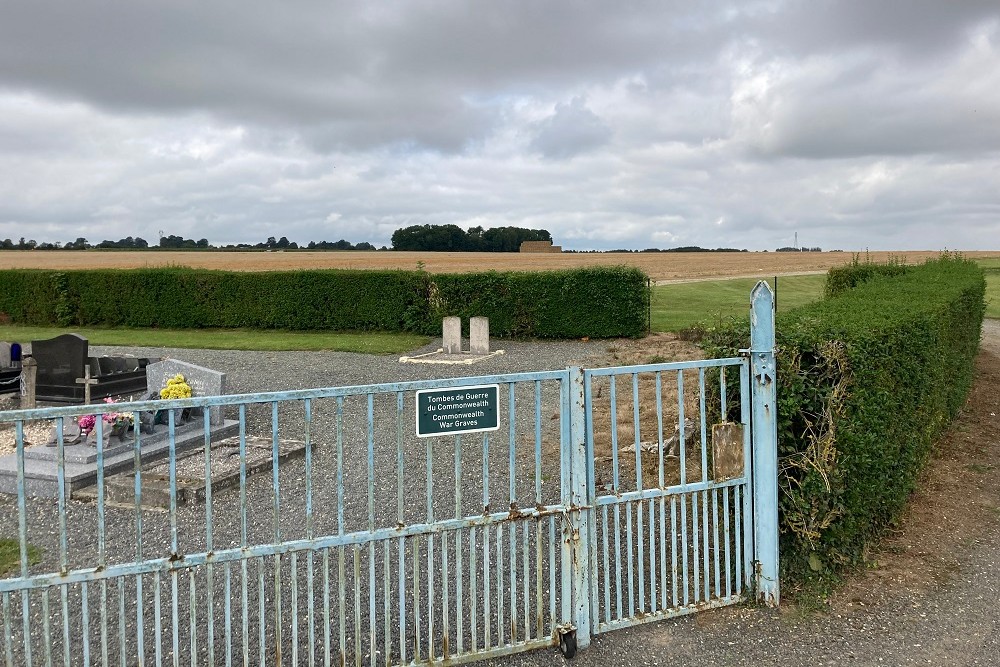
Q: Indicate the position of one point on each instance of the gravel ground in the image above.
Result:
(956, 623)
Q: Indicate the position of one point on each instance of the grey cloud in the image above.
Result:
(571, 130)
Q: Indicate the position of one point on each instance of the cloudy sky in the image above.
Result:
(854, 123)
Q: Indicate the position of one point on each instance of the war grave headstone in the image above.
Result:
(451, 351)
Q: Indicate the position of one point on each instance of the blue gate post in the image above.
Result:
(765, 443)
(579, 509)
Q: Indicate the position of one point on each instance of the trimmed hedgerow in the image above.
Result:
(599, 302)
(867, 380)
(842, 278)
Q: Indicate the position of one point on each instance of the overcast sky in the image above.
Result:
(860, 123)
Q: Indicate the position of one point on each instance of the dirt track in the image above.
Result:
(659, 266)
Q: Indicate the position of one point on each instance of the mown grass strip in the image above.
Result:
(993, 294)
(230, 339)
(711, 302)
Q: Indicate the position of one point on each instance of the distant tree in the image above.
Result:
(454, 238)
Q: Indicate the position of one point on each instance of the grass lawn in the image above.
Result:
(681, 305)
(993, 293)
(10, 556)
(230, 339)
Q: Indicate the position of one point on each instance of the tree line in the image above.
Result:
(455, 239)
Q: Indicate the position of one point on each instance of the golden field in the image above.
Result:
(662, 267)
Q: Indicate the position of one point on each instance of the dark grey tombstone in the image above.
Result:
(107, 365)
(95, 366)
(60, 361)
(5, 354)
(118, 364)
(131, 364)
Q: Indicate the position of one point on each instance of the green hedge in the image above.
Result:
(842, 278)
(599, 302)
(867, 380)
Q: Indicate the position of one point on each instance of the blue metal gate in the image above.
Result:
(381, 547)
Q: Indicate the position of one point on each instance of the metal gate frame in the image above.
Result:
(572, 624)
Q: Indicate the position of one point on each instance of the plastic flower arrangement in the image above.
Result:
(118, 418)
(177, 387)
(87, 423)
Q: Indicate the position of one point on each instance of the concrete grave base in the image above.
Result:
(442, 357)
(190, 473)
(41, 462)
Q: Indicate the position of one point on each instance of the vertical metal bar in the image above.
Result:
(473, 589)
(715, 538)
(663, 508)
(430, 549)
(174, 550)
(706, 568)
(512, 533)
(487, 625)
(357, 604)
(727, 535)
(311, 605)
(445, 603)
(580, 453)
(192, 619)
(588, 410)
(459, 606)
(525, 578)
(101, 560)
(638, 485)
(400, 521)
(500, 578)
(631, 559)
(47, 631)
(228, 610)
(276, 480)
(696, 543)
(137, 494)
(617, 491)
(209, 543)
(157, 626)
(722, 393)
(673, 551)
(342, 602)
(22, 534)
(85, 626)
(63, 553)
(685, 573)
(566, 497)
(704, 424)
(416, 599)
(745, 574)
(260, 610)
(294, 567)
(553, 619)
(737, 520)
(765, 444)
(327, 621)
(8, 637)
(371, 527)
(386, 588)
(244, 588)
(652, 555)
(607, 570)
(681, 431)
(121, 620)
(663, 551)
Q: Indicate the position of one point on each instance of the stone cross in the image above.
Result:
(86, 381)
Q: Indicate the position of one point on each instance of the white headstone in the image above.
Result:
(452, 335)
(479, 335)
(4, 354)
(203, 381)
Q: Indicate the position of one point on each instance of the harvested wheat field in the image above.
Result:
(662, 267)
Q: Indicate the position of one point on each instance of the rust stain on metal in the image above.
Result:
(727, 451)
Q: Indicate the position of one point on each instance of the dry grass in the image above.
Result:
(659, 266)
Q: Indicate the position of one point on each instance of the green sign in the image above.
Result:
(458, 410)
